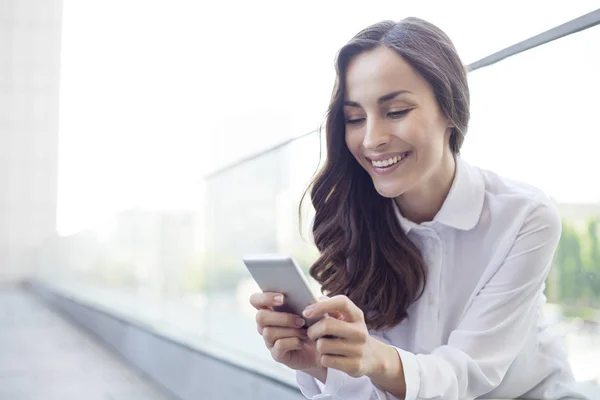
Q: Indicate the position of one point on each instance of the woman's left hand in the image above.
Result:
(353, 349)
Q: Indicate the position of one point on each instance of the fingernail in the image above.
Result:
(278, 299)
(300, 322)
(308, 312)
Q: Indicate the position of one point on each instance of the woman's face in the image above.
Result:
(394, 127)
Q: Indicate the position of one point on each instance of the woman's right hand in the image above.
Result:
(282, 333)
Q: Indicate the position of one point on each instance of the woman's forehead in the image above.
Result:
(378, 72)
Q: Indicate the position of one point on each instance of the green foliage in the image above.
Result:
(577, 268)
(586, 313)
(592, 260)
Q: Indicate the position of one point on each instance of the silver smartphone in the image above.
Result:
(280, 274)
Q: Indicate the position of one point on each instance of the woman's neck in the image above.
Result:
(422, 203)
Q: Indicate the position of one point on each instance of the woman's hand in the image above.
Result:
(282, 333)
(344, 343)
(342, 337)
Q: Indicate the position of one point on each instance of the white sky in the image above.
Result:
(154, 94)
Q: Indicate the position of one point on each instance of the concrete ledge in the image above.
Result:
(184, 371)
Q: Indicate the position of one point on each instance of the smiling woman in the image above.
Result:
(383, 108)
(435, 268)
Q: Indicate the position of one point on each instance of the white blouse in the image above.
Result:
(477, 331)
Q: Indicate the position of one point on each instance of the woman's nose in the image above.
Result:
(375, 136)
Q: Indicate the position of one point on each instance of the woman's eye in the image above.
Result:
(392, 114)
(398, 114)
(354, 120)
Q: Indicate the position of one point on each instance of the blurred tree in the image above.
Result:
(569, 265)
(576, 275)
(592, 262)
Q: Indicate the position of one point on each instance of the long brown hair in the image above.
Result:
(364, 253)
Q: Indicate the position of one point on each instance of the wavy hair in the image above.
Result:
(364, 253)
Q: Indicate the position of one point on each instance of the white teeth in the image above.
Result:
(386, 163)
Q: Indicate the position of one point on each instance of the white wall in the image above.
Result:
(30, 34)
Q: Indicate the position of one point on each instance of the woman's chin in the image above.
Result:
(389, 191)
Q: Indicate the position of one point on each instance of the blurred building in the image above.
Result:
(30, 36)
(152, 248)
(241, 206)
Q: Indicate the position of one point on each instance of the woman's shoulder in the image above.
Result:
(518, 212)
(509, 197)
(502, 186)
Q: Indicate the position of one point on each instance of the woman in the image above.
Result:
(434, 269)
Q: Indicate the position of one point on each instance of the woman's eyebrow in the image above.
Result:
(381, 100)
